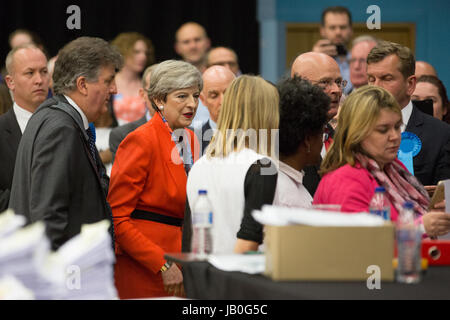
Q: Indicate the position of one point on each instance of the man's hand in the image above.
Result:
(173, 281)
(325, 46)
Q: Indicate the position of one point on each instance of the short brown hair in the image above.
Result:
(386, 48)
(336, 9)
(125, 42)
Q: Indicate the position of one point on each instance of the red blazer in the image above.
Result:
(148, 175)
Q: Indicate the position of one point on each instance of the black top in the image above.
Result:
(259, 189)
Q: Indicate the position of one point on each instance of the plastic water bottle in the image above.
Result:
(202, 220)
(409, 240)
(380, 204)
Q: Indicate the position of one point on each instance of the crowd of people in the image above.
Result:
(101, 131)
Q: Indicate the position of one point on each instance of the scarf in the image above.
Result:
(400, 185)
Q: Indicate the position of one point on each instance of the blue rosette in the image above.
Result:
(410, 147)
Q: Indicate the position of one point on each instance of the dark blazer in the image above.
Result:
(433, 161)
(119, 133)
(55, 177)
(204, 136)
(10, 135)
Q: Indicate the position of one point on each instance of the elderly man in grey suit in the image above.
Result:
(28, 80)
(58, 176)
(119, 133)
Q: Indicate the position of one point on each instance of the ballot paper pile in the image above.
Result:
(82, 268)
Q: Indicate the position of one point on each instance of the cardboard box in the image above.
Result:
(300, 252)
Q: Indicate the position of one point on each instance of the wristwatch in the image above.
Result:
(166, 266)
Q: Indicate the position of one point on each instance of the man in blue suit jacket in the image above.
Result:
(392, 66)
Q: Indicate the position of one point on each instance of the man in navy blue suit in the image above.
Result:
(392, 67)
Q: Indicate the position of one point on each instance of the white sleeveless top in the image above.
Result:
(223, 178)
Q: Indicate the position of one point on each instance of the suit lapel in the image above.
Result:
(415, 123)
(12, 131)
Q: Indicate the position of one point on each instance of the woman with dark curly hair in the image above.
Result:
(303, 116)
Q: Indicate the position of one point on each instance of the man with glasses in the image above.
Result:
(322, 70)
(361, 47)
(226, 57)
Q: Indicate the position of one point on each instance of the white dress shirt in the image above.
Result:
(290, 191)
(22, 116)
(83, 116)
(406, 114)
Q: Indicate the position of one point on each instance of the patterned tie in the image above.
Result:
(92, 147)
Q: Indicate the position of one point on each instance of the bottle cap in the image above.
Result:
(408, 205)
(380, 189)
(202, 192)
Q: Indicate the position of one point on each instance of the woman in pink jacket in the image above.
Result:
(364, 156)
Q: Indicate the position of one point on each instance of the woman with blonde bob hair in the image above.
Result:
(235, 170)
(364, 156)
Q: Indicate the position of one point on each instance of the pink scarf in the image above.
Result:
(400, 185)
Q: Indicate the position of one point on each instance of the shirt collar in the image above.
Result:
(294, 174)
(406, 114)
(22, 116)
(76, 107)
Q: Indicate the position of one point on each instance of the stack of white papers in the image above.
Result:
(82, 268)
(281, 216)
(85, 262)
(12, 289)
(22, 255)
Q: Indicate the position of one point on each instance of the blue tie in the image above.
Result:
(92, 147)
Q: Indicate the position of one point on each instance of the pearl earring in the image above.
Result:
(161, 108)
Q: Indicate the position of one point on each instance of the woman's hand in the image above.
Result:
(173, 281)
(436, 223)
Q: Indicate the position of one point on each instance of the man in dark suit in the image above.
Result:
(28, 80)
(392, 66)
(58, 176)
(119, 133)
(216, 80)
(322, 70)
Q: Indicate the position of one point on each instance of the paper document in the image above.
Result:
(248, 263)
(279, 216)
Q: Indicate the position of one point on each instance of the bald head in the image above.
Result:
(323, 70)
(216, 80)
(424, 69)
(191, 43)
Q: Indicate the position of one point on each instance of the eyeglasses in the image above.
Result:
(326, 84)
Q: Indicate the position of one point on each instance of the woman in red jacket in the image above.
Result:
(364, 156)
(147, 191)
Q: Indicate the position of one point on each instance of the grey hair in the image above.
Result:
(145, 74)
(83, 57)
(364, 38)
(10, 57)
(172, 75)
